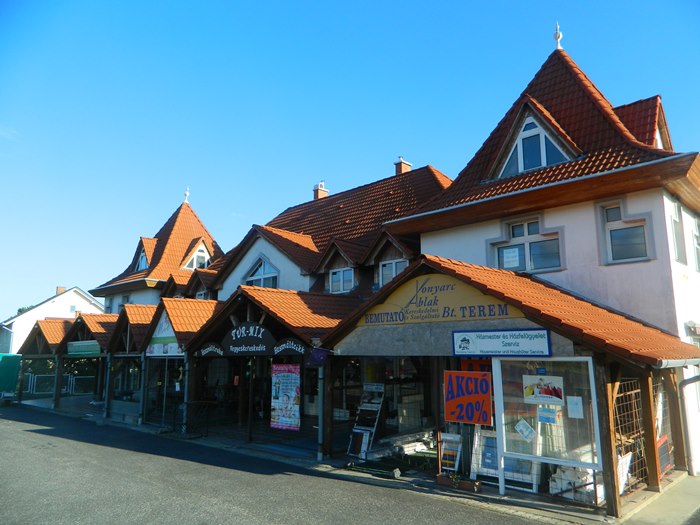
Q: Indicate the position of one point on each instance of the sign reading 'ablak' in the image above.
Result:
(501, 343)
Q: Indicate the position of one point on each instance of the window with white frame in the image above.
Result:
(678, 234)
(390, 269)
(527, 248)
(202, 294)
(199, 260)
(625, 238)
(696, 242)
(142, 263)
(532, 149)
(341, 280)
(263, 274)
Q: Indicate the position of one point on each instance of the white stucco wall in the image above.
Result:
(290, 277)
(145, 296)
(65, 306)
(642, 289)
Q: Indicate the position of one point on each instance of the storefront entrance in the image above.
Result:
(165, 390)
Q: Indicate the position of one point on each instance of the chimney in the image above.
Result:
(320, 191)
(60, 290)
(402, 166)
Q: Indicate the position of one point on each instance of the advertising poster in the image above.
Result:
(468, 397)
(286, 397)
(543, 390)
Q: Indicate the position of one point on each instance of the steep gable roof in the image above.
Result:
(136, 318)
(643, 118)
(175, 240)
(575, 318)
(186, 316)
(46, 334)
(99, 327)
(582, 117)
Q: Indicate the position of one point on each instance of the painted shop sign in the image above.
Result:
(501, 343)
(164, 343)
(437, 298)
(248, 339)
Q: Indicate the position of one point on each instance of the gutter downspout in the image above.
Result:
(686, 431)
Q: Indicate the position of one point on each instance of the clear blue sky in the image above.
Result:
(109, 110)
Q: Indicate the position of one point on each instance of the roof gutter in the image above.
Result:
(536, 188)
(676, 363)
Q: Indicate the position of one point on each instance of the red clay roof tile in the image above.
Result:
(187, 316)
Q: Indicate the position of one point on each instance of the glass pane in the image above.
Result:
(401, 266)
(270, 282)
(511, 167)
(613, 214)
(335, 281)
(529, 126)
(512, 257)
(347, 280)
(544, 254)
(533, 228)
(628, 243)
(517, 230)
(552, 152)
(532, 157)
(387, 272)
(548, 409)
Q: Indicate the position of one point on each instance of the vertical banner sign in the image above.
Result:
(468, 397)
(286, 397)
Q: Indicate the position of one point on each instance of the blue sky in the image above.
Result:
(109, 110)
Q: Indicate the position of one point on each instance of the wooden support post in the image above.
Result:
(58, 383)
(649, 425)
(608, 452)
(674, 407)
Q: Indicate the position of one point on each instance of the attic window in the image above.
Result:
(263, 274)
(142, 263)
(199, 259)
(532, 149)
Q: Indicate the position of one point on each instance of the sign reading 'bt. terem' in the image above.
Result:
(437, 298)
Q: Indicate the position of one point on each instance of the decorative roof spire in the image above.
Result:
(558, 36)
(187, 194)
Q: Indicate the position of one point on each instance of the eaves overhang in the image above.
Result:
(127, 286)
(679, 174)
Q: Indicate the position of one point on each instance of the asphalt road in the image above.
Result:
(56, 469)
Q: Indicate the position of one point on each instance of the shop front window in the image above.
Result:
(549, 410)
(127, 379)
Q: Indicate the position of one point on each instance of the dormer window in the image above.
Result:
(342, 280)
(532, 149)
(199, 259)
(142, 263)
(263, 274)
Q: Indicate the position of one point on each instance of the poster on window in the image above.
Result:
(543, 390)
(286, 397)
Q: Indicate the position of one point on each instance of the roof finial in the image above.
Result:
(558, 36)
(187, 194)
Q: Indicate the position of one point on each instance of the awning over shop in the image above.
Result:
(9, 371)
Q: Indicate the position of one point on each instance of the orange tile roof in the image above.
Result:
(187, 316)
(572, 105)
(54, 330)
(362, 210)
(553, 308)
(306, 314)
(174, 241)
(299, 247)
(139, 318)
(101, 326)
(642, 118)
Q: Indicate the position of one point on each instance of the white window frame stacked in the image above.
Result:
(626, 221)
(678, 234)
(340, 272)
(394, 272)
(526, 240)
